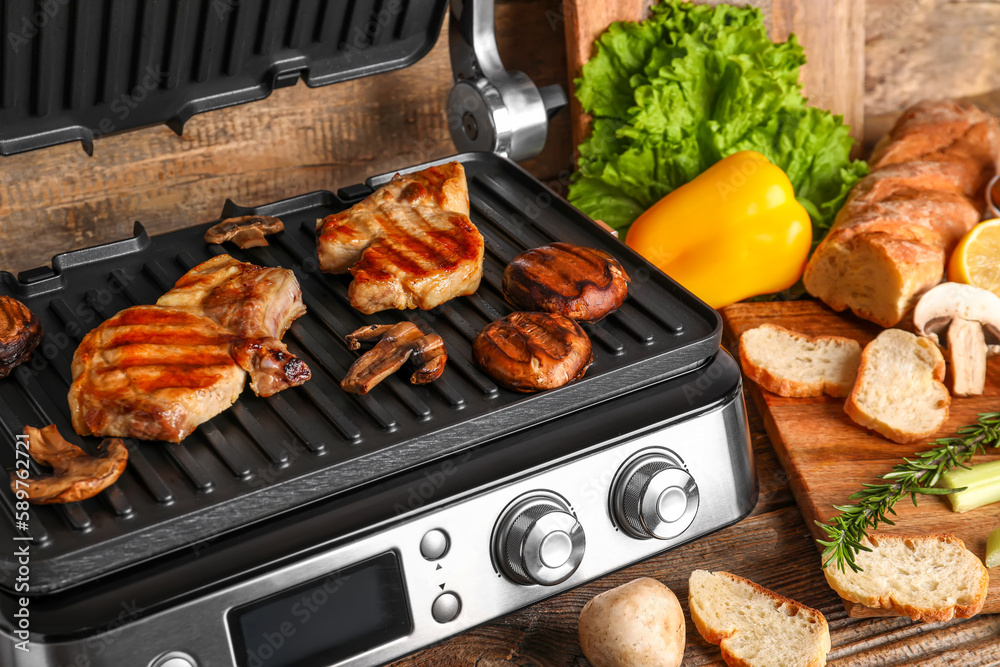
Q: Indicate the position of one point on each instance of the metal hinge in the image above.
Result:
(492, 109)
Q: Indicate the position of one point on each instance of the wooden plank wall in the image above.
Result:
(303, 139)
(297, 140)
(917, 49)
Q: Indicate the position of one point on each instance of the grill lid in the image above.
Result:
(71, 70)
(265, 456)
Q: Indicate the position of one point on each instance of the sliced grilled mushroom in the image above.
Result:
(246, 231)
(430, 357)
(20, 333)
(396, 344)
(375, 332)
(76, 474)
(971, 316)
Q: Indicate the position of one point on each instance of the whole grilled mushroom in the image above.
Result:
(580, 283)
(20, 333)
(530, 352)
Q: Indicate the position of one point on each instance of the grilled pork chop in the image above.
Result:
(249, 300)
(410, 244)
(156, 372)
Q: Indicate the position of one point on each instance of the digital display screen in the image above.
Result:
(324, 620)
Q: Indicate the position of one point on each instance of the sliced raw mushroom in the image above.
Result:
(76, 475)
(971, 316)
(246, 231)
(396, 344)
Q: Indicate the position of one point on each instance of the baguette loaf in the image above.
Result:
(753, 626)
(792, 364)
(890, 242)
(899, 392)
(925, 577)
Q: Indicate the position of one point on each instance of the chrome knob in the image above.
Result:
(653, 496)
(539, 541)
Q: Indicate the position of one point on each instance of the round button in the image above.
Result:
(446, 607)
(434, 544)
(539, 541)
(174, 659)
(555, 549)
(671, 504)
(653, 496)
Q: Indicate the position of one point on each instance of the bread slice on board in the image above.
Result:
(753, 626)
(792, 364)
(899, 393)
(926, 577)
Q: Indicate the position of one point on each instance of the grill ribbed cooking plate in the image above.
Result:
(265, 456)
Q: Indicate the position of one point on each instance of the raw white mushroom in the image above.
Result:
(969, 314)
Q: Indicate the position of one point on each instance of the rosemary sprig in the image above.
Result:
(913, 477)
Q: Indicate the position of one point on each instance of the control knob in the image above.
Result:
(539, 541)
(653, 496)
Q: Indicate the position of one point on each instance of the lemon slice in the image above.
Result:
(976, 260)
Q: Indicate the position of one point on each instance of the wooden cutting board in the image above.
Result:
(828, 457)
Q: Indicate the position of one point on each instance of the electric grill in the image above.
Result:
(316, 527)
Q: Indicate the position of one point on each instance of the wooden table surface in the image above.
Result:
(772, 547)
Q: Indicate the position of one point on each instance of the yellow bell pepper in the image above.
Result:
(734, 232)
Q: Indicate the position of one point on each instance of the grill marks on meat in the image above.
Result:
(247, 299)
(153, 373)
(256, 303)
(410, 244)
(156, 372)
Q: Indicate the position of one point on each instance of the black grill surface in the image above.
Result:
(73, 70)
(266, 456)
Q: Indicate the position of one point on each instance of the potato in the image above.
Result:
(638, 624)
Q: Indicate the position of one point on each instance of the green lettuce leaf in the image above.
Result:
(672, 95)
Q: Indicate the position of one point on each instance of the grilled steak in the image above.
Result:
(410, 244)
(580, 283)
(153, 373)
(533, 351)
(156, 372)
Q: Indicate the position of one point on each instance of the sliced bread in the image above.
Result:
(899, 393)
(753, 626)
(925, 577)
(792, 364)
